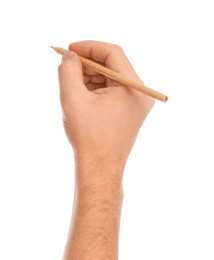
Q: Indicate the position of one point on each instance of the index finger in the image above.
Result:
(112, 55)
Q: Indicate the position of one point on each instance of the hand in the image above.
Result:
(101, 116)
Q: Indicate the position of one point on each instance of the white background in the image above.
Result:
(168, 181)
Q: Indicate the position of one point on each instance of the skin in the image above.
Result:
(101, 119)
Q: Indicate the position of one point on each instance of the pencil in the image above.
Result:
(117, 76)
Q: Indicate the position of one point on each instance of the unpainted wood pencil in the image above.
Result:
(117, 76)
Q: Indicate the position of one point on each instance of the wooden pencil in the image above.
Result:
(117, 76)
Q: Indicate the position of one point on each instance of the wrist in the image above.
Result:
(100, 175)
(102, 154)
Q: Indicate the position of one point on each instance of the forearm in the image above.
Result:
(94, 228)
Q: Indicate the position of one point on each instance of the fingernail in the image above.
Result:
(67, 56)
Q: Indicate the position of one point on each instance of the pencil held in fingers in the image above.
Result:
(117, 76)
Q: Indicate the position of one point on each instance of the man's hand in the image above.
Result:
(101, 118)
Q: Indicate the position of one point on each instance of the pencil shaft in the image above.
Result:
(118, 77)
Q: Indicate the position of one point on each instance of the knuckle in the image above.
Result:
(60, 68)
(64, 67)
(69, 101)
(117, 48)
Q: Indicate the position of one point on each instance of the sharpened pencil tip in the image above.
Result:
(59, 50)
(165, 99)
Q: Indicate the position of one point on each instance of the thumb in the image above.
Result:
(70, 76)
